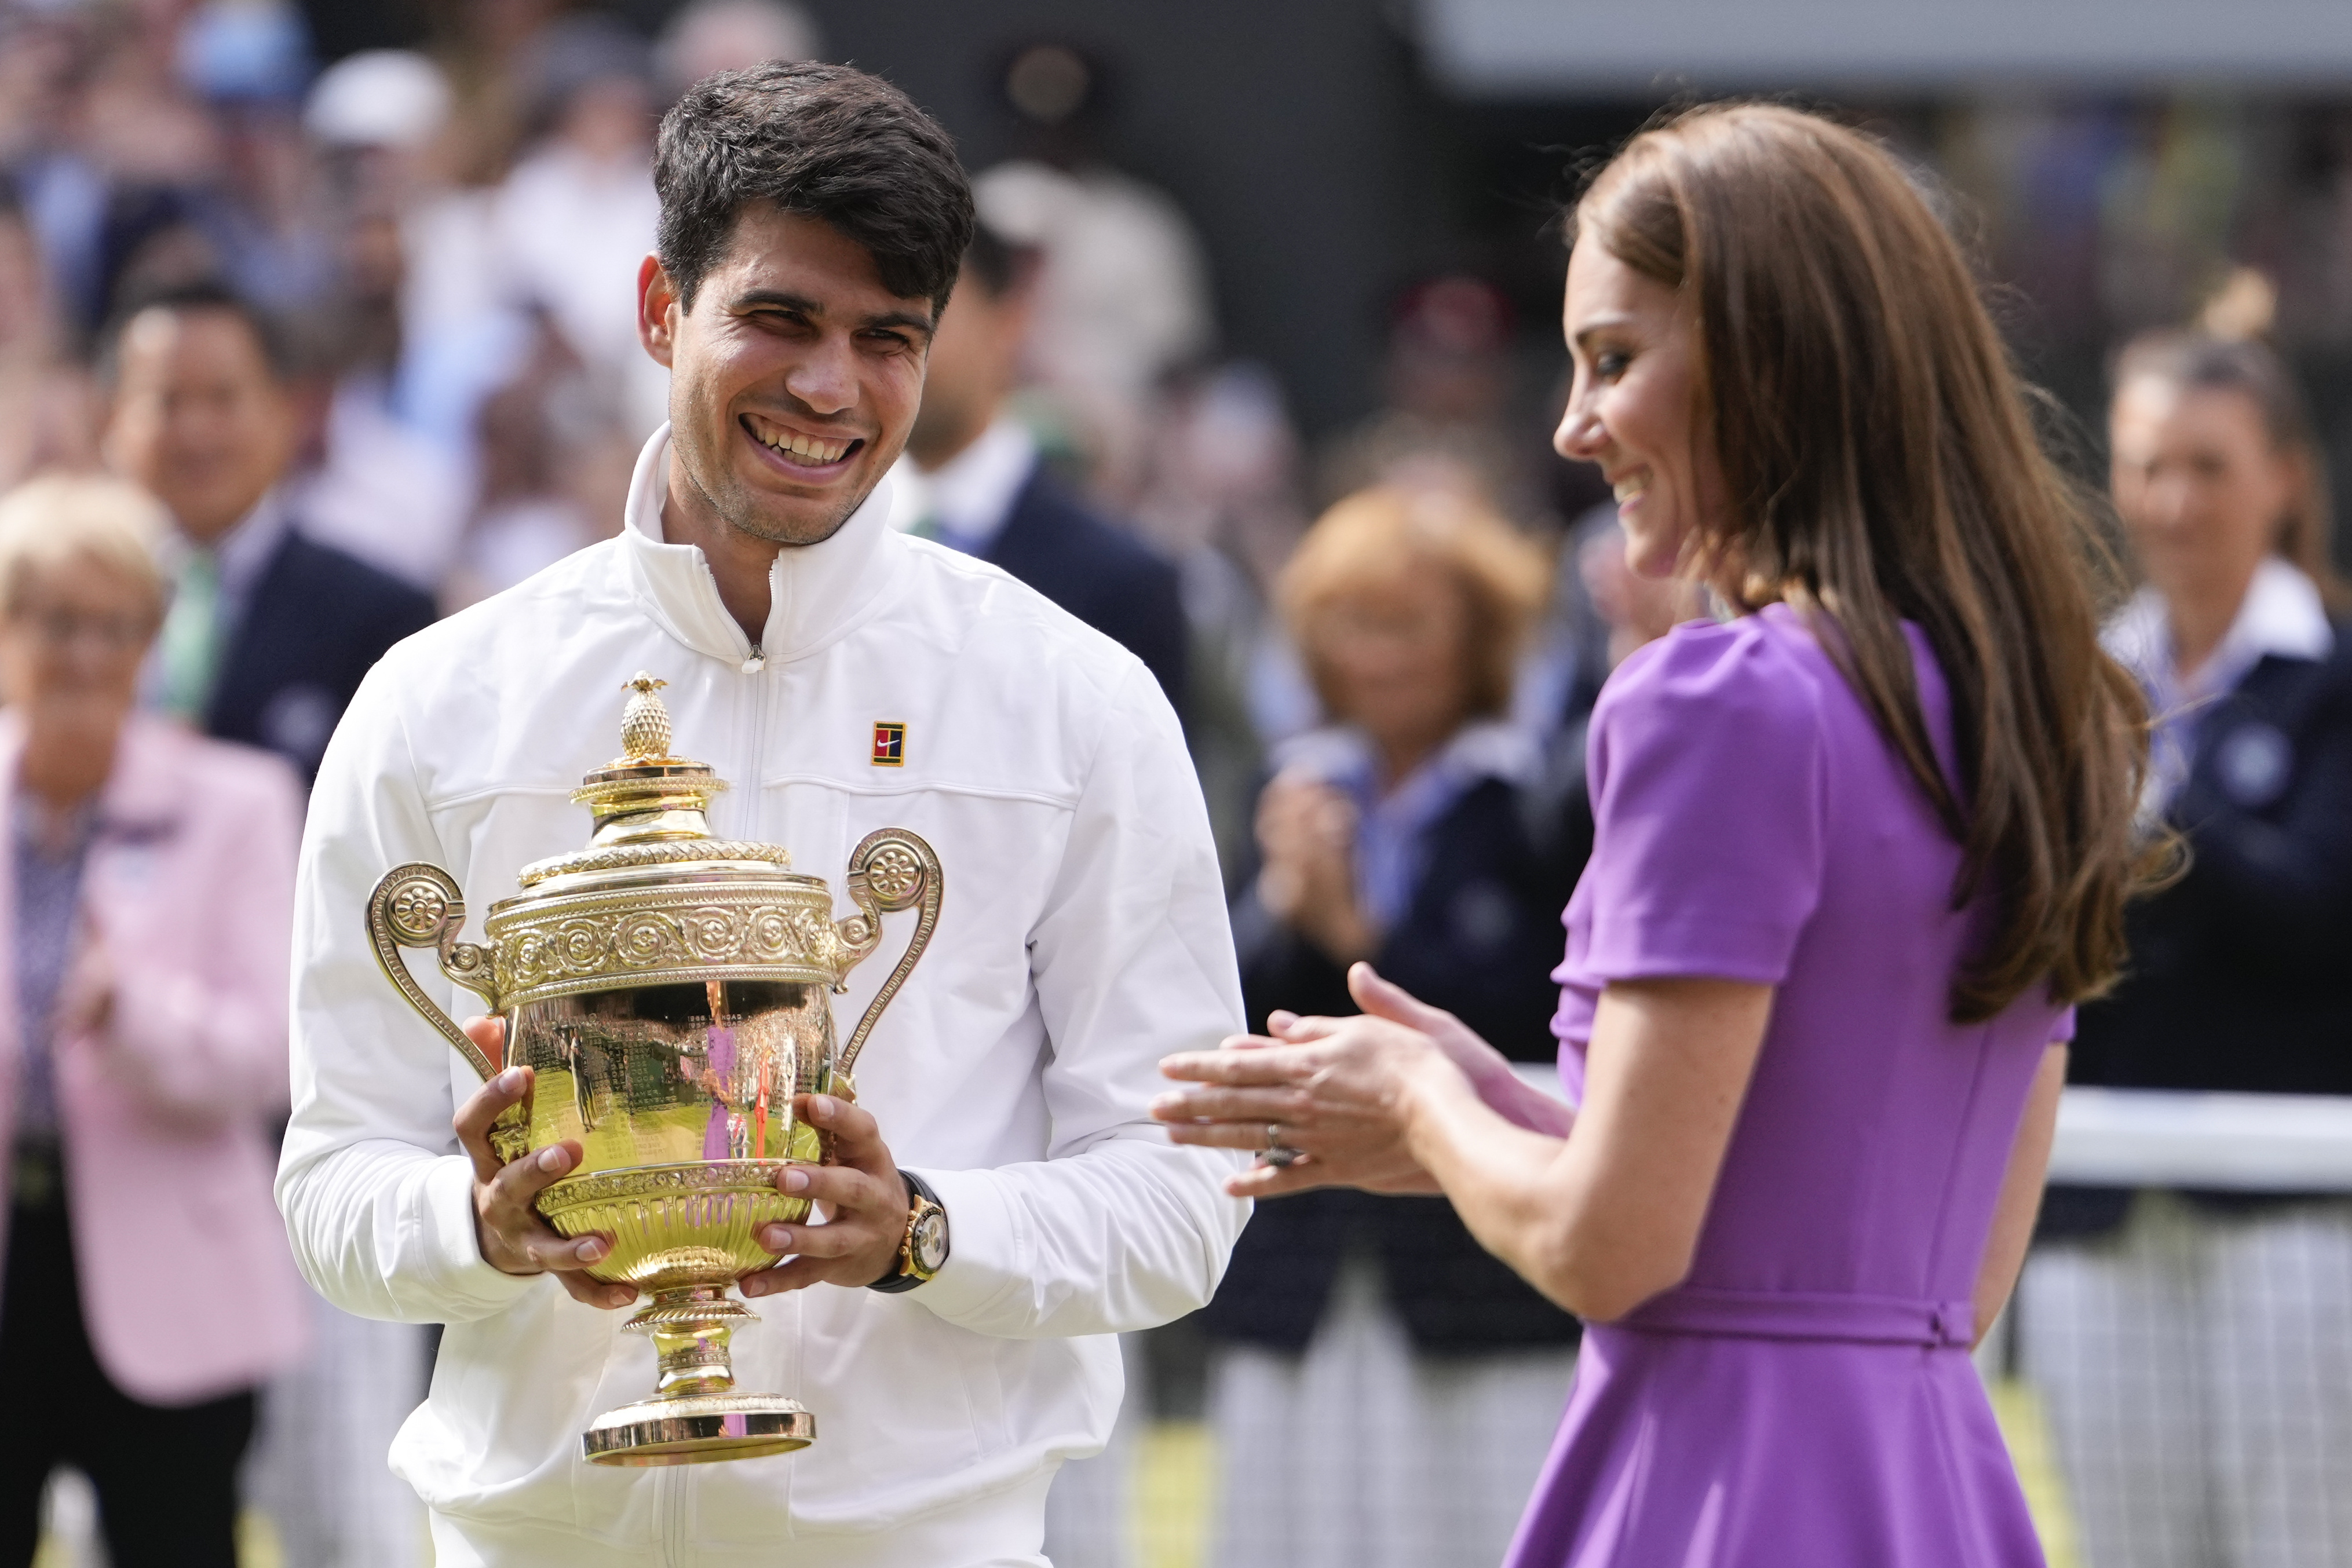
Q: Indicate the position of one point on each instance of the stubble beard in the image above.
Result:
(785, 531)
(732, 506)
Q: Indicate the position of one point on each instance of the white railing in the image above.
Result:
(2165, 1137)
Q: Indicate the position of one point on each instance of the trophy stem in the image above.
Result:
(690, 1327)
(696, 1415)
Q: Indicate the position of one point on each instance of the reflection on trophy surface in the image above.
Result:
(670, 992)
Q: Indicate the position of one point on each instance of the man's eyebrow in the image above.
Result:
(776, 298)
(753, 299)
(924, 324)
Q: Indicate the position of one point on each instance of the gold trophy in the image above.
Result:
(669, 990)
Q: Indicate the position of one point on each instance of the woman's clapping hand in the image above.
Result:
(1336, 1089)
(1341, 1091)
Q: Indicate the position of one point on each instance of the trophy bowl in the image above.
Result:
(672, 994)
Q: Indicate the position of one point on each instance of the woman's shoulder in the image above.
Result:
(1709, 764)
(1762, 672)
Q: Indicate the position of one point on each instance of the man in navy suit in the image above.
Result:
(985, 492)
(270, 632)
(267, 639)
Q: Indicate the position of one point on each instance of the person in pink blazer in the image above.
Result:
(146, 898)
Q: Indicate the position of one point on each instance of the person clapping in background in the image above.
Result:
(1386, 1387)
(149, 897)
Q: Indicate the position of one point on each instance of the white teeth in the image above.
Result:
(1627, 489)
(808, 448)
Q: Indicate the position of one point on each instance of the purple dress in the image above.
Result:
(1805, 1397)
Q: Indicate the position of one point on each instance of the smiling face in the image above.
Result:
(793, 379)
(1632, 408)
(71, 648)
(199, 418)
(2200, 485)
(1392, 652)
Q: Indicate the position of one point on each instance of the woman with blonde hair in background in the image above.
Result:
(1383, 1386)
(1857, 852)
(2195, 1349)
(146, 906)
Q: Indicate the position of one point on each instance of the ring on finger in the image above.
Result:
(1277, 1152)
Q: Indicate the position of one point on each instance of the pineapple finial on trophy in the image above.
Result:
(645, 722)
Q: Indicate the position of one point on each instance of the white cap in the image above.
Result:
(378, 97)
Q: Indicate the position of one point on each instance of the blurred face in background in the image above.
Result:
(1634, 405)
(1636, 610)
(200, 419)
(2200, 485)
(71, 649)
(793, 379)
(1392, 654)
(975, 359)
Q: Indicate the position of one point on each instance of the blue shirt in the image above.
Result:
(48, 902)
(1391, 828)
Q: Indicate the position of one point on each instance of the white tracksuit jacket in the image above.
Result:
(1083, 935)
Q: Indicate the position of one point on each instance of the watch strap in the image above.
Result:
(901, 1277)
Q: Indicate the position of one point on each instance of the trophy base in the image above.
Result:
(697, 1430)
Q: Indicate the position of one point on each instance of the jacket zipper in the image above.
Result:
(755, 733)
(671, 1502)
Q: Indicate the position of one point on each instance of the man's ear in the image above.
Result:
(658, 309)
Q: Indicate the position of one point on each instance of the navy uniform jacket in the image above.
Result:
(317, 621)
(1108, 579)
(2237, 974)
(1480, 939)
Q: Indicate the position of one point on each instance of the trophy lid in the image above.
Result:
(654, 900)
(650, 806)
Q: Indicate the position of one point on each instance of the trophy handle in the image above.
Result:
(419, 906)
(889, 870)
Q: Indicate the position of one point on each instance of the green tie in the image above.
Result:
(189, 645)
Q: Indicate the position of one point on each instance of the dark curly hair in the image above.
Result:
(824, 141)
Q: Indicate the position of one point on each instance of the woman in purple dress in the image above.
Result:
(1858, 851)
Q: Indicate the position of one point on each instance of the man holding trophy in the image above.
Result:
(674, 1176)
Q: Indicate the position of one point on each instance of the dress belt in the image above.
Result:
(1778, 1314)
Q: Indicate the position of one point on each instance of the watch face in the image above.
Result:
(931, 1242)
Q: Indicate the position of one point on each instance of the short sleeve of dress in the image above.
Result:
(1707, 770)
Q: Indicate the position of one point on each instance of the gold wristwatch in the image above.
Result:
(923, 1251)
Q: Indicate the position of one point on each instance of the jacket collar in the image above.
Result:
(2282, 616)
(967, 501)
(816, 591)
(244, 553)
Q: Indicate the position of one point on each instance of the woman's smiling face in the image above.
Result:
(1632, 408)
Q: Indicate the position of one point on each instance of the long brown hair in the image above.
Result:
(1882, 462)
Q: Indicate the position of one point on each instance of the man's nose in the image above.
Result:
(824, 379)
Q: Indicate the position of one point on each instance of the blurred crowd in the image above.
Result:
(362, 334)
(2113, 216)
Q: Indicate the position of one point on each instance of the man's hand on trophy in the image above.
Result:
(514, 1240)
(862, 1197)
